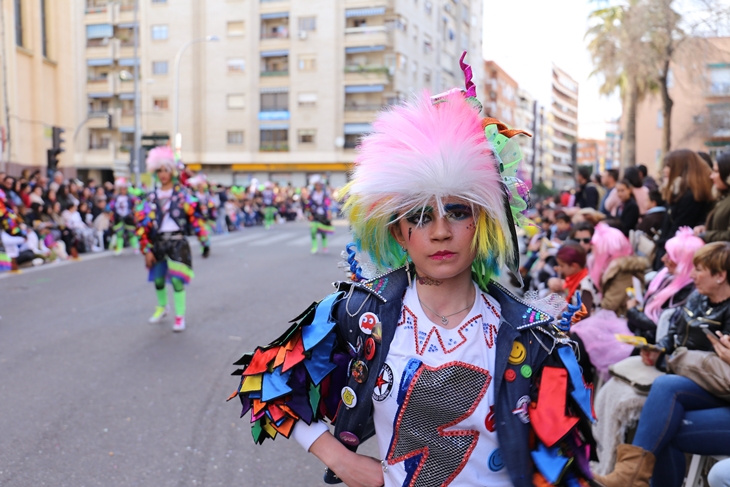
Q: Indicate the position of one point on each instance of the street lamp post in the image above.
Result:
(176, 95)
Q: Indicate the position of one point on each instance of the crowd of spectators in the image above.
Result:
(650, 260)
(63, 217)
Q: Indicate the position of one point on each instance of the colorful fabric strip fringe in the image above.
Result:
(6, 262)
(170, 269)
(322, 228)
(291, 378)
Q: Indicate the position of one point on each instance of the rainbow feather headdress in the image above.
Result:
(424, 151)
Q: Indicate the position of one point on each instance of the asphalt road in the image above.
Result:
(91, 394)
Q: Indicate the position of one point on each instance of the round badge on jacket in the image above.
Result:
(368, 322)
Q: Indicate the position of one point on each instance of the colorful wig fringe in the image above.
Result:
(608, 244)
(681, 249)
(161, 157)
(419, 154)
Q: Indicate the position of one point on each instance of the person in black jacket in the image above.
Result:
(687, 191)
(628, 210)
(587, 194)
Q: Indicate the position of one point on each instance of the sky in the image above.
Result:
(526, 37)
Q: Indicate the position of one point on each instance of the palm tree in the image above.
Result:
(619, 51)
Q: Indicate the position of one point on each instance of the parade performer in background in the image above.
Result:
(11, 234)
(122, 207)
(462, 383)
(268, 198)
(164, 218)
(200, 190)
(318, 210)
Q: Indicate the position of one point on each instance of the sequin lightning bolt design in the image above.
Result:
(431, 400)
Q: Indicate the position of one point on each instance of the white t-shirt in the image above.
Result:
(420, 400)
(121, 205)
(163, 202)
(441, 398)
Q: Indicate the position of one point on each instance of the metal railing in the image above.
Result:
(373, 107)
(275, 73)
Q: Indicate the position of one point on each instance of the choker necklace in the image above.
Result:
(445, 318)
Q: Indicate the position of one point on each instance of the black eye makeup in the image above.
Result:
(458, 212)
(421, 216)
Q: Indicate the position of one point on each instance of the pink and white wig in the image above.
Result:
(197, 180)
(159, 157)
(418, 154)
(680, 248)
(608, 244)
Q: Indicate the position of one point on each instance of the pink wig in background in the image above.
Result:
(681, 249)
(608, 244)
(161, 156)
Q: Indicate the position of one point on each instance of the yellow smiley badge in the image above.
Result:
(518, 354)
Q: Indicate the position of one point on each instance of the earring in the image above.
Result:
(408, 271)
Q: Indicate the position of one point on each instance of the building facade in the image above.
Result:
(700, 89)
(592, 152)
(564, 121)
(613, 144)
(500, 94)
(37, 68)
(286, 92)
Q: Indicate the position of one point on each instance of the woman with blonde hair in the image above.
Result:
(687, 191)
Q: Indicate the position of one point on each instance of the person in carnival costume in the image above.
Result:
(268, 198)
(200, 190)
(11, 233)
(163, 220)
(121, 207)
(318, 209)
(461, 382)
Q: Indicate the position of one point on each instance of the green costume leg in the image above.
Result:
(161, 292)
(120, 239)
(324, 241)
(313, 231)
(178, 296)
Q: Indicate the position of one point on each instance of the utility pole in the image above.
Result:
(137, 146)
(5, 158)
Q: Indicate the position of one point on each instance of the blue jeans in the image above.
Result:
(679, 416)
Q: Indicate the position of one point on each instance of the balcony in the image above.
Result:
(274, 63)
(99, 120)
(364, 75)
(125, 86)
(376, 35)
(126, 117)
(125, 13)
(99, 12)
(100, 87)
(101, 48)
(718, 90)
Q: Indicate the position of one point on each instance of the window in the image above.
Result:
(307, 100)
(352, 140)
(428, 7)
(99, 31)
(98, 140)
(274, 102)
(306, 136)
(464, 41)
(19, 22)
(236, 65)
(159, 32)
(276, 140)
(403, 62)
(307, 62)
(427, 76)
(427, 44)
(159, 104)
(235, 137)
(235, 28)
(44, 29)
(720, 80)
(235, 102)
(307, 24)
(159, 67)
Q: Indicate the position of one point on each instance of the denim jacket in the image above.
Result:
(384, 297)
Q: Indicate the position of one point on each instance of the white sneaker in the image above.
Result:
(160, 312)
(179, 323)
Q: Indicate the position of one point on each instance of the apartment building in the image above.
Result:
(37, 67)
(564, 113)
(700, 89)
(613, 144)
(500, 94)
(525, 118)
(592, 152)
(286, 92)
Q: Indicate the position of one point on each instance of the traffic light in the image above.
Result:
(57, 140)
(55, 150)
